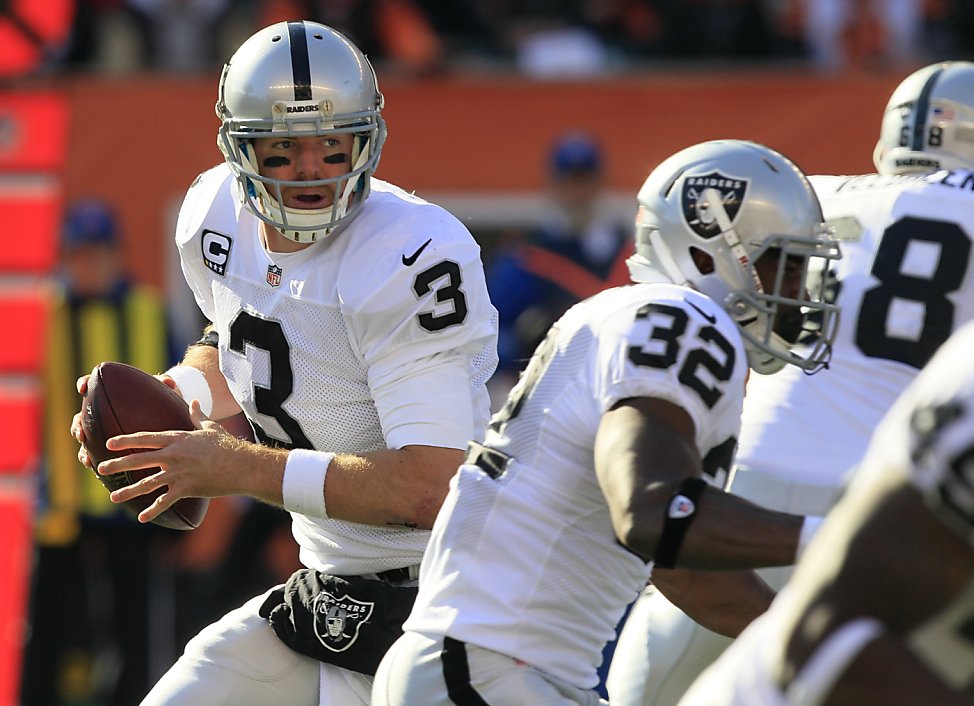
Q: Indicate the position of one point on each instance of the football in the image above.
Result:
(122, 399)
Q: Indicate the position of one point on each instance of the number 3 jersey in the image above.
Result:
(904, 284)
(523, 559)
(378, 336)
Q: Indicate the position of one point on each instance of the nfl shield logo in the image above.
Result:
(699, 210)
(274, 275)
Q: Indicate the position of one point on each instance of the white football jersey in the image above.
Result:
(525, 561)
(926, 440)
(378, 336)
(904, 284)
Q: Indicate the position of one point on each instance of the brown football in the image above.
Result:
(122, 399)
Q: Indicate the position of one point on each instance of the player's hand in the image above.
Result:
(199, 463)
(170, 383)
(76, 430)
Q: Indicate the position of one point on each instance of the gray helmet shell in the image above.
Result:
(928, 123)
(295, 79)
(735, 200)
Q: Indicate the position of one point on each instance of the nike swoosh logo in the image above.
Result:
(407, 261)
(709, 317)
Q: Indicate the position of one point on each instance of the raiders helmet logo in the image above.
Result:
(698, 211)
(338, 620)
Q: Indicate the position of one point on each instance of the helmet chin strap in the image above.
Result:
(665, 261)
(760, 359)
(715, 205)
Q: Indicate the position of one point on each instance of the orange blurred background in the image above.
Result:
(140, 141)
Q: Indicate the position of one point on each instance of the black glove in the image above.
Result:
(348, 621)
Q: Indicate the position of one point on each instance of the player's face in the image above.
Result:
(305, 159)
(789, 319)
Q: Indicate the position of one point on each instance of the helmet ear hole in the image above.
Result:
(703, 261)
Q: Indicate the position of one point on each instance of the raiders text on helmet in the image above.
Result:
(735, 201)
(928, 124)
(296, 79)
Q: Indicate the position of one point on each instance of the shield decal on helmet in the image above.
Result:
(338, 620)
(699, 210)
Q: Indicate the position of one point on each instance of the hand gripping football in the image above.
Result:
(121, 399)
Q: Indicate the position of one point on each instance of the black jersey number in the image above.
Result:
(449, 293)
(930, 291)
(663, 347)
(248, 330)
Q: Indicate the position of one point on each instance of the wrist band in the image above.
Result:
(192, 385)
(809, 527)
(303, 487)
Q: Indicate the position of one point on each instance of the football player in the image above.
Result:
(880, 608)
(351, 324)
(905, 282)
(593, 470)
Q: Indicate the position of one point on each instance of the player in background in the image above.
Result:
(905, 282)
(880, 606)
(576, 248)
(351, 324)
(592, 471)
(91, 636)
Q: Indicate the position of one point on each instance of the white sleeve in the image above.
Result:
(427, 333)
(701, 370)
(189, 236)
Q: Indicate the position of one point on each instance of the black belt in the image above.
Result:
(400, 575)
(491, 461)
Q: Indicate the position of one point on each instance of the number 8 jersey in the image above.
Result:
(379, 336)
(904, 284)
(504, 574)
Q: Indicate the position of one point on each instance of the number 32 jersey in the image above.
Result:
(523, 560)
(378, 336)
(904, 284)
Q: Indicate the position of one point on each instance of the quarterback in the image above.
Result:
(591, 473)
(904, 284)
(350, 322)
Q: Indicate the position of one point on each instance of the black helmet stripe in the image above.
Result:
(300, 61)
(922, 108)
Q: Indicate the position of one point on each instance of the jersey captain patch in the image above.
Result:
(216, 251)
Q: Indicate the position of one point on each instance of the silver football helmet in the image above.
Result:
(928, 124)
(735, 201)
(299, 79)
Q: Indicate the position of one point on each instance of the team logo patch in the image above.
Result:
(216, 251)
(274, 275)
(338, 620)
(681, 506)
(698, 211)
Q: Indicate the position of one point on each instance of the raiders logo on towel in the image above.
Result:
(337, 620)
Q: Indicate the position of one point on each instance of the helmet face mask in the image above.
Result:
(754, 215)
(928, 123)
(300, 79)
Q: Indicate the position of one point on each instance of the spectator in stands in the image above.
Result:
(90, 634)
(842, 34)
(577, 248)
